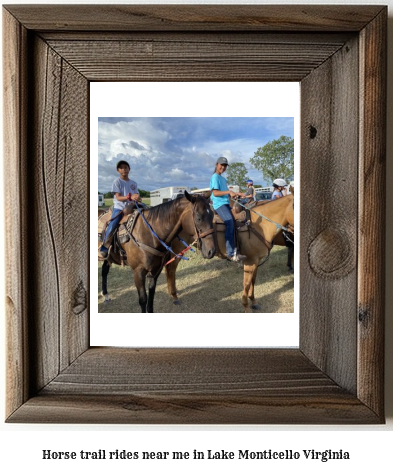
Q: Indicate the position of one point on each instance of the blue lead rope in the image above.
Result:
(185, 244)
(156, 236)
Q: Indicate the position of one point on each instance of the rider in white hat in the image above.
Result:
(279, 188)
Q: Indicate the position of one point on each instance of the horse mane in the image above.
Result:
(163, 211)
(267, 203)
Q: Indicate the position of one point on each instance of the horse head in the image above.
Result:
(200, 223)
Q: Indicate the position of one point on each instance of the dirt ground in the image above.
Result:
(206, 286)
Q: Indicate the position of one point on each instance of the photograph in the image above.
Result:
(192, 203)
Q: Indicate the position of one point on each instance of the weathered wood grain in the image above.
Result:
(372, 206)
(15, 106)
(59, 181)
(329, 170)
(193, 386)
(216, 60)
(196, 18)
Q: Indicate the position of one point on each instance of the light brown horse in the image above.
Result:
(280, 211)
(145, 253)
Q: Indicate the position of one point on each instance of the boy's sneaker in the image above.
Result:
(237, 258)
(103, 252)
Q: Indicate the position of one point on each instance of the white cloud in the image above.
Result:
(180, 151)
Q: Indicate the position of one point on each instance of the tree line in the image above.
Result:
(142, 193)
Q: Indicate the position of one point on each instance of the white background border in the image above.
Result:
(190, 99)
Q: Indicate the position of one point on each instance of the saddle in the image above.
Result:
(123, 232)
(242, 218)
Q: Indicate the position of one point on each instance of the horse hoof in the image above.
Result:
(176, 302)
(256, 306)
(290, 270)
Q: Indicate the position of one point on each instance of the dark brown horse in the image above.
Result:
(280, 211)
(286, 239)
(145, 252)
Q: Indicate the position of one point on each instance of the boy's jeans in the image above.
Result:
(117, 214)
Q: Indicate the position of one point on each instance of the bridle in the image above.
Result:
(198, 234)
(197, 238)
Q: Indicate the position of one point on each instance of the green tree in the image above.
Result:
(237, 175)
(275, 159)
(143, 193)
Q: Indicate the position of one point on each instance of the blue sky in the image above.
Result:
(181, 151)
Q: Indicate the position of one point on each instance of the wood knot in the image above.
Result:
(364, 316)
(330, 254)
(313, 132)
(79, 303)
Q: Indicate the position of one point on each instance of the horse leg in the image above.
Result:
(152, 291)
(254, 304)
(140, 282)
(104, 277)
(291, 251)
(170, 271)
(248, 272)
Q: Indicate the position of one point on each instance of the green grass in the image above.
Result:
(206, 286)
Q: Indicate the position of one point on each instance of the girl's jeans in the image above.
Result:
(226, 215)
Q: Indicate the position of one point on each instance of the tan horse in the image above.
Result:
(280, 211)
(145, 253)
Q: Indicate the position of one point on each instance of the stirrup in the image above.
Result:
(107, 255)
(102, 255)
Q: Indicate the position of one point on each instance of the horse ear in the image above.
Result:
(207, 194)
(189, 196)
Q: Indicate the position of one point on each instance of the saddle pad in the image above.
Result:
(102, 223)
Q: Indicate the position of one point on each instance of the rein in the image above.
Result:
(278, 226)
(156, 236)
(199, 236)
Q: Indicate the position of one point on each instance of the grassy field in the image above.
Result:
(205, 286)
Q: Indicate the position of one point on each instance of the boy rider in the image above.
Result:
(124, 189)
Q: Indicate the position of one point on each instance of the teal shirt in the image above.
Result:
(219, 183)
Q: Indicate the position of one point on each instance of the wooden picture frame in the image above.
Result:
(338, 54)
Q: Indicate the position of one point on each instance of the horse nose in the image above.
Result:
(210, 253)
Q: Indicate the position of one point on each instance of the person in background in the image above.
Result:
(250, 192)
(124, 189)
(220, 199)
(279, 188)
